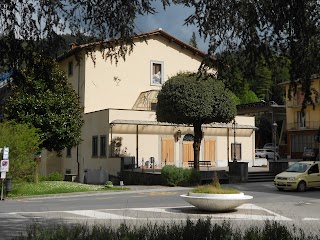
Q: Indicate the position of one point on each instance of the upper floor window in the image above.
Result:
(68, 152)
(103, 146)
(95, 146)
(70, 68)
(156, 70)
(301, 119)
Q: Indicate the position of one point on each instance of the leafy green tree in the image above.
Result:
(249, 97)
(187, 98)
(29, 27)
(261, 81)
(193, 40)
(290, 28)
(51, 106)
(23, 141)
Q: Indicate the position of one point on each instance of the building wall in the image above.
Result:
(102, 91)
(109, 91)
(301, 133)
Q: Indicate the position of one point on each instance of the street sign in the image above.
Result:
(5, 153)
(4, 165)
(3, 175)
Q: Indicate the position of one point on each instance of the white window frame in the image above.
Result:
(152, 73)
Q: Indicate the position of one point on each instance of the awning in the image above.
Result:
(163, 128)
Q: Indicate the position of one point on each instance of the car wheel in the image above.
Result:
(301, 186)
(280, 189)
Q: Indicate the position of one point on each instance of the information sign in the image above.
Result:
(4, 165)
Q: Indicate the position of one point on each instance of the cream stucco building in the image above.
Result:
(119, 100)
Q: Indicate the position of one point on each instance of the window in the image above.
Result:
(156, 70)
(301, 118)
(70, 69)
(95, 146)
(103, 146)
(153, 106)
(68, 152)
(238, 151)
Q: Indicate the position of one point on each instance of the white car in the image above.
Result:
(271, 146)
(266, 153)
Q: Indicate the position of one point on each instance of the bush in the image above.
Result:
(196, 230)
(54, 176)
(173, 176)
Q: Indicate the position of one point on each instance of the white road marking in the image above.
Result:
(102, 214)
(310, 219)
(98, 215)
(175, 210)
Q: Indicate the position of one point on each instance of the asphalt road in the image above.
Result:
(158, 204)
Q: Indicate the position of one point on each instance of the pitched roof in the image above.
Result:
(143, 36)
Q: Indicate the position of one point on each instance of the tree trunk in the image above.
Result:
(197, 144)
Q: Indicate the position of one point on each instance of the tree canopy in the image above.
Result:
(42, 96)
(262, 27)
(187, 98)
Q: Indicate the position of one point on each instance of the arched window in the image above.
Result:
(188, 138)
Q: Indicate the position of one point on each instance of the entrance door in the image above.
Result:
(187, 153)
(210, 150)
(167, 151)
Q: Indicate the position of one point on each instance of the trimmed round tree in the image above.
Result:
(187, 98)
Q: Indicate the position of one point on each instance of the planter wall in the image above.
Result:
(238, 171)
(216, 202)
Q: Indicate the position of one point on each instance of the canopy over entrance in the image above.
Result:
(154, 127)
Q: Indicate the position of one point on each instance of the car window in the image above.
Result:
(314, 169)
(298, 167)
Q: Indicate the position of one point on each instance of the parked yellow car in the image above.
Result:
(299, 176)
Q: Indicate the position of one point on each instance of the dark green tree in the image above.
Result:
(35, 26)
(187, 98)
(193, 40)
(290, 28)
(51, 106)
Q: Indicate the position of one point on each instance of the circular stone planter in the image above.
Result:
(216, 202)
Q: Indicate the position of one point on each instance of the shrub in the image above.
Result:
(196, 230)
(54, 176)
(173, 176)
(108, 184)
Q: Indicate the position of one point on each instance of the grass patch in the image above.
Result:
(211, 189)
(54, 187)
(214, 188)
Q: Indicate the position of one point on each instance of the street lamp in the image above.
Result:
(274, 125)
(234, 126)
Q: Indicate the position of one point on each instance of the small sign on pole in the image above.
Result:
(4, 165)
(5, 153)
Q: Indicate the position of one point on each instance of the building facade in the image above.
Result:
(302, 128)
(119, 101)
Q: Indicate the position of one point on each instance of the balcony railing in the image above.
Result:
(301, 126)
(298, 102)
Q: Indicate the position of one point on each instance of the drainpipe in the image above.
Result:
(78, 162)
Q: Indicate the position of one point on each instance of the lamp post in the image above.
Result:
(234, 126)
(274, 125)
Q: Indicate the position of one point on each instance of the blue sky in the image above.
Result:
(171, 21)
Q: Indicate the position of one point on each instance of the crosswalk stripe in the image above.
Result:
(98, 214)
(310, 219)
